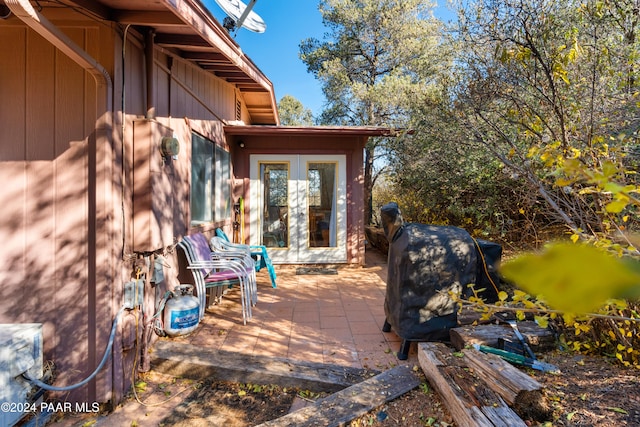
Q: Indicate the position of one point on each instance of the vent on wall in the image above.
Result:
(238, 110)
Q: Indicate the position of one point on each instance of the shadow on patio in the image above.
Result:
(332, 319)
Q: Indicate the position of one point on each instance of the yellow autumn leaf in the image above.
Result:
(542, 321)
(616, 206)
(569, 318)
(575, 238)
(502, 296)
(572, 277)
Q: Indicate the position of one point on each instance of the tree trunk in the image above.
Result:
(368, 183)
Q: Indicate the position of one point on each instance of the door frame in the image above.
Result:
(299, 250)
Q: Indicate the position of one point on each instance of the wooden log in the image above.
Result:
(345, 405)
(377, 239)
(196, 362)
(539, 339)
(524, 394)
(468, 398)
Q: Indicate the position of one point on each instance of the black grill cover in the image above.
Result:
(425, 263)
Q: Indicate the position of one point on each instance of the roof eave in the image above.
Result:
(368, 131)
(200, 20)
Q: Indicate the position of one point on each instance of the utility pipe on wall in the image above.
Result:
(149, 64)
(41, 25)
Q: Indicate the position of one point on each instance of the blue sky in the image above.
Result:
(276, 51)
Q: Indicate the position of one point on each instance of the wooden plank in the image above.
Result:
(468, 398)
(539, 339)
(179, 358)
(345, 405)
(523, 393)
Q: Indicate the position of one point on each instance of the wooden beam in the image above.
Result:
(237, 80)
(216, 67)
(206, 56)
(195, 362)
(523, 393)
(251, 88)
(539, 339)
(468, 398)
(232, 74)
(148, 17)
(345, 405)
(180, 40)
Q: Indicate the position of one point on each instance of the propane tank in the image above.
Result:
(181, 312)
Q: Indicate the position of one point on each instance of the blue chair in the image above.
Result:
(258, 252)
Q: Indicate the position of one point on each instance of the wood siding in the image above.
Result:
(67, 232)
(45, 160)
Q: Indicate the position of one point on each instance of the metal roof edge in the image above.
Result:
(311, 130)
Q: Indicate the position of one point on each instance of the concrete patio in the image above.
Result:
(324, 318)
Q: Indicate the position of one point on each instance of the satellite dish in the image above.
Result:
(241, 16)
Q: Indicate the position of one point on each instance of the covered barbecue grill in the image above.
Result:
(426, 263)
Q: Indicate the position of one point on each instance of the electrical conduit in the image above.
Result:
(107, 351)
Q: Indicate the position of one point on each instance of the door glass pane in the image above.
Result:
(275, 215)
(321, 200)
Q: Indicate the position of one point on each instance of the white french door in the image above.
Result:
(298, 207)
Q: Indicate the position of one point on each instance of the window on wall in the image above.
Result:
(210, 181)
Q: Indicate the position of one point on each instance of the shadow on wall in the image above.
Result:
(47, 256)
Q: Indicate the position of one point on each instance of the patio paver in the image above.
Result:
(334, 319)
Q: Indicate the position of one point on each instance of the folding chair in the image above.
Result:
(258, 252)
(220, 248)
(217, 273)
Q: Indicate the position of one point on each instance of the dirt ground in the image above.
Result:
(589, 391)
